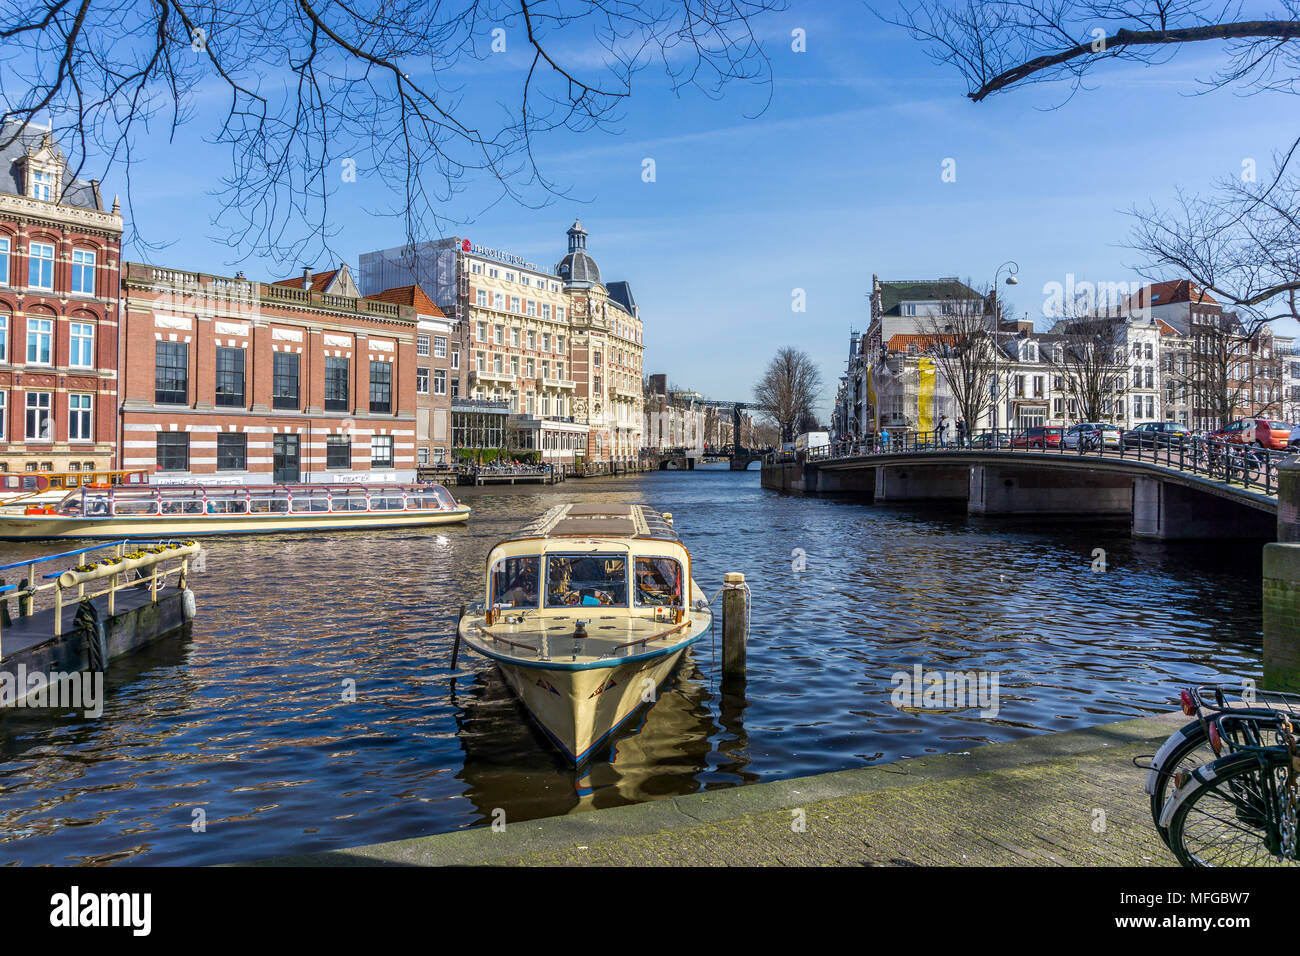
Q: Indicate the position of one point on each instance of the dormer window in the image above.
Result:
(43, 186)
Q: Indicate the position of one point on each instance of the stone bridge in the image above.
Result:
(1161, 499)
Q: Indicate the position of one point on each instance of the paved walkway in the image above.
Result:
(1068, 799)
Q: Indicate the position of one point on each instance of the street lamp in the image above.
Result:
(1013, 268)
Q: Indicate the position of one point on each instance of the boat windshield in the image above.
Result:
(658, 582)
(586, 580)
(516, 582)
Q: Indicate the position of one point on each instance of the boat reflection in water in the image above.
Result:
(666, 753)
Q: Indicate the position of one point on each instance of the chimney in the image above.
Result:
(306, 277)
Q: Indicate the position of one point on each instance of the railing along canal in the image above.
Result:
(116, 567)
(1250, 467)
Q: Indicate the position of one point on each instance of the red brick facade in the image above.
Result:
(59, 264)
(233, 381)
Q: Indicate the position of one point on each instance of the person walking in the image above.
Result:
(941, 432)
(961, 433)
(884, 439)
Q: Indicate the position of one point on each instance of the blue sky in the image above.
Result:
(838, 179)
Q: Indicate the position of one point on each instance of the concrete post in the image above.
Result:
(734, 624)
(1282, 587)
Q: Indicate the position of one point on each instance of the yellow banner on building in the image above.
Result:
(925, 396)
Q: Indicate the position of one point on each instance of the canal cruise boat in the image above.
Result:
(23, 489)
(588, 610)
(184, 511)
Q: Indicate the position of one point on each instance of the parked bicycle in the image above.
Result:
(1234, 774)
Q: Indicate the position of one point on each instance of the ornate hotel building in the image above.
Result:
(59, 258)
(549, 361)
(233, 381)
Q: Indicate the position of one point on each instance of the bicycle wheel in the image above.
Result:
(1185, 750)
(1230, 813)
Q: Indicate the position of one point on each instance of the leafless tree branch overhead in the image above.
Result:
(313, 90)
(1007, 43)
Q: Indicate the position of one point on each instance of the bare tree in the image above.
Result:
(317, 93)
(1219, 367)
(960, 341)
(788, 390)
(1000, 44)
(1242, 244)
(1089, 354)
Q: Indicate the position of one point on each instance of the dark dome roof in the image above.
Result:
(577, 267)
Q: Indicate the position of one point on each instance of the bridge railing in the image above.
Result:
(1250, 467)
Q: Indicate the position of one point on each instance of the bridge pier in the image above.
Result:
(1025, 490)
(1167, 511)
(921, 483)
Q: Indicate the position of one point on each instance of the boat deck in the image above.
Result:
(541, 637)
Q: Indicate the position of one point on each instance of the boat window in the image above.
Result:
(310, 501)
(353, 499)
(422, 501)
(135, 506)
(515, 582)
(227, 506)
(385, 502)
(182, 506)
(586, 580)
(658, 582)
(444, 497)
(268, 505)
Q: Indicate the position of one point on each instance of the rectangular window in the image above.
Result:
(440, 381)
(532, 340)
(79, 418)
(230, 377)
(423, 456)
(336, 384)
(40, 265)
(40, 341)
(422, 381)
(4, 261)
(422, 344)
(381, 451)
(546, 310)
(338, 452)
(83, 271)
(499, 335)
(440, 346)
(284, 380)
(514, 303)
(480, 297)
(499, 301)
(455, 359)
(173, 451)
(455, 388)
(43, 186)
(40, 427)
(559, 313)
(546, 341)
(532, 307)
(514, 338)
(381, 387)
(480, 332)
(232, 451)
(4, 338)
(171, 382)
(81, 350)
(587, 580)
(4, 418)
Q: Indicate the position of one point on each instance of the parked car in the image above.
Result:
(1040, 436)
(1255, 431)
(1000, 440)
(1155, 435)
(1110, 434)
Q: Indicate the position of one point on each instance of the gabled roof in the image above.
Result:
(1169, 293)
(320, 281)
(902, 342)
(892, 294)
(411, 295)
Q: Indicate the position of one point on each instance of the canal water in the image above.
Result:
(313, 707)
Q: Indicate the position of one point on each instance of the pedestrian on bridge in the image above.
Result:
(941, 433)
(884, 439)
(961, 433)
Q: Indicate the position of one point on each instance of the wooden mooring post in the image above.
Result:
(735, 623)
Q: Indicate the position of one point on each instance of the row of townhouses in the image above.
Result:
(684, 421)
(1170, 352)
(440, 349)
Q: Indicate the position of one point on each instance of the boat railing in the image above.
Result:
(249, 499)
(648, 638)
(112, 563)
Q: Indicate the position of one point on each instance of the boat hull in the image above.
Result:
(580, 710)
(45, 527)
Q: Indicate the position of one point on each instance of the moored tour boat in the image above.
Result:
(588, 611)
(161, 511)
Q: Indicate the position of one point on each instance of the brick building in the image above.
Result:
(59, 259)
(239, 382)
